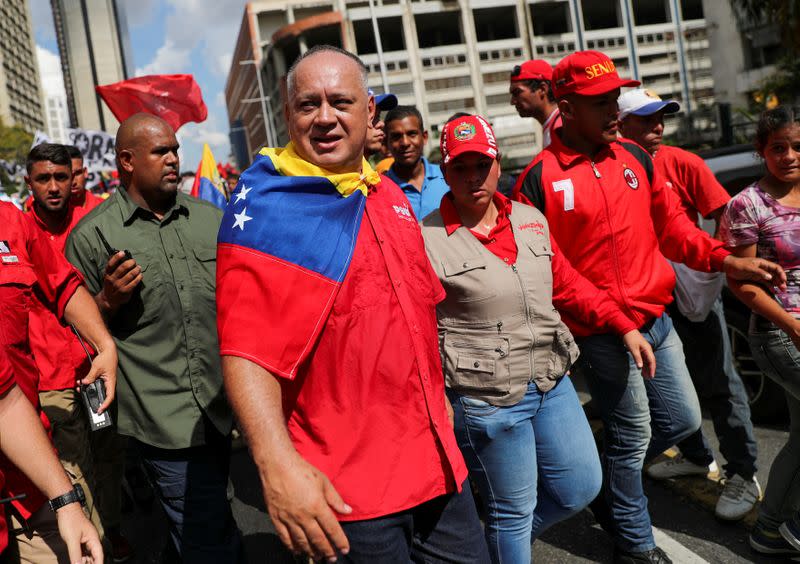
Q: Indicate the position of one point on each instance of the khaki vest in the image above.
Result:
(498, 329)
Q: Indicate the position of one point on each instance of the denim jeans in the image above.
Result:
(534, 463)
(445, 529)
(778, 358)
(708, 356)
(636, 413)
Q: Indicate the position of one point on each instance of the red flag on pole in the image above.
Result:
(174, 97)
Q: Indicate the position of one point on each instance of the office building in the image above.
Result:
(94, 45)
(20, 90)
(446, 56)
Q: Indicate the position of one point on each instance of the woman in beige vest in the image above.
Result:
(505, 351)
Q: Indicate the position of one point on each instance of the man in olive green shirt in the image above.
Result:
(159, 304)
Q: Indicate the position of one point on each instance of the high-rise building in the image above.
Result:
(20, 91)
(56, 117)
(446, 56)
(95, 49)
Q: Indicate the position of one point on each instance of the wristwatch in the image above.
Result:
(76, 495)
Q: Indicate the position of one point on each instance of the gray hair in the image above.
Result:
(325, 49)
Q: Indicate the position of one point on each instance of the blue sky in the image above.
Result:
(169, 36)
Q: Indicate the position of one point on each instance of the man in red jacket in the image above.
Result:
(702, 328)
(30, 266)
(616, 222)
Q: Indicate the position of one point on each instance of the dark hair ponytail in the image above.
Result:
(772, 121)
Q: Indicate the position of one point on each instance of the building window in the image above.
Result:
(492, 24)
(550, 18)
(391, 32)
(460, 105)
(601, 15)
(438, 29)
(325, 35)
(649, 12)
(692, 9)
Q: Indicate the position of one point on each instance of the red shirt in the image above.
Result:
(692, 180)
(90, 201)
(572, 292)
(28, 265)
(6, 383)
(368, 406)
(59, 356)
(615, 220)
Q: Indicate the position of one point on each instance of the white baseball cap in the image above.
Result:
(644, 102)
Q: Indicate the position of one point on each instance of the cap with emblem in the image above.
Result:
(587, 73)
(468, 134)
(644, 102)
(535, 69)
(384, 102)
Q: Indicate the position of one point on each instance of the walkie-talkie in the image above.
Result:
(109, 249)
(93, 395)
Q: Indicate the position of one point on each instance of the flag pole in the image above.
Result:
(379, 46)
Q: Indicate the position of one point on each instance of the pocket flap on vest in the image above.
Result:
(540, 249)
(455, 267)
(475, 364)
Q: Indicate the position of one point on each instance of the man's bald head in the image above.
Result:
(147, 159)
(328, 51)
(138, 127)
(329, 109)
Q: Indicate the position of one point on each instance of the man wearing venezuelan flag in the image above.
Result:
(327, 329)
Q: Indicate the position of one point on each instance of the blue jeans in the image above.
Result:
(708, 357)
(443, 530)
(778, 358)
(641, 419)
(534, 463)
(192, 486)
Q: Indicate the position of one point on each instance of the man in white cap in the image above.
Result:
(698, 317)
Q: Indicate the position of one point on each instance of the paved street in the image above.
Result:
(685, 524)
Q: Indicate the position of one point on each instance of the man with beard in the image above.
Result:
(156, 291)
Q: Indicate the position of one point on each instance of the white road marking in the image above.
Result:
(675, 550)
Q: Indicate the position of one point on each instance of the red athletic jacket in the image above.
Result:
(615, 220)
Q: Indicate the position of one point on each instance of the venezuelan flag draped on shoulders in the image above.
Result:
(284, 248)
(208, 184)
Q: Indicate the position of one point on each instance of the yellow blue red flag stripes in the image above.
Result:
(208, 184)
(284, 248)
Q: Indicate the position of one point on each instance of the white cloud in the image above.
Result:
(169, 59)
(50, 72)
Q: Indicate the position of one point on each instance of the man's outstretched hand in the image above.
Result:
(752, 269)
(303, 504)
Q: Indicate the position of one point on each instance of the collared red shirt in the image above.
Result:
(367, 408)
(90, 201)
(59, 356)
(28, 264)
(692, 180)
(572, 293)
(427, 199)
(170, 374)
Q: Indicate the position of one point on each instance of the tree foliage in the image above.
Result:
(15, 143)
(783, 13)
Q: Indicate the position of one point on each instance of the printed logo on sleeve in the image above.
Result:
(631, 178)
(403, 212)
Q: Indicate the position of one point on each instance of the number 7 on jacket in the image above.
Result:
(569, 193)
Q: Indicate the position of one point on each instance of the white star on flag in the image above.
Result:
(241, 218)
(242, 194)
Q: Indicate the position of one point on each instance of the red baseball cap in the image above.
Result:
(468, 134)
(535, 69)
(588, 73)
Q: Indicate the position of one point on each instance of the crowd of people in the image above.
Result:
(396, 343)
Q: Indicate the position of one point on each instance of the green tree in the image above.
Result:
(783, 13)
(15, 143)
